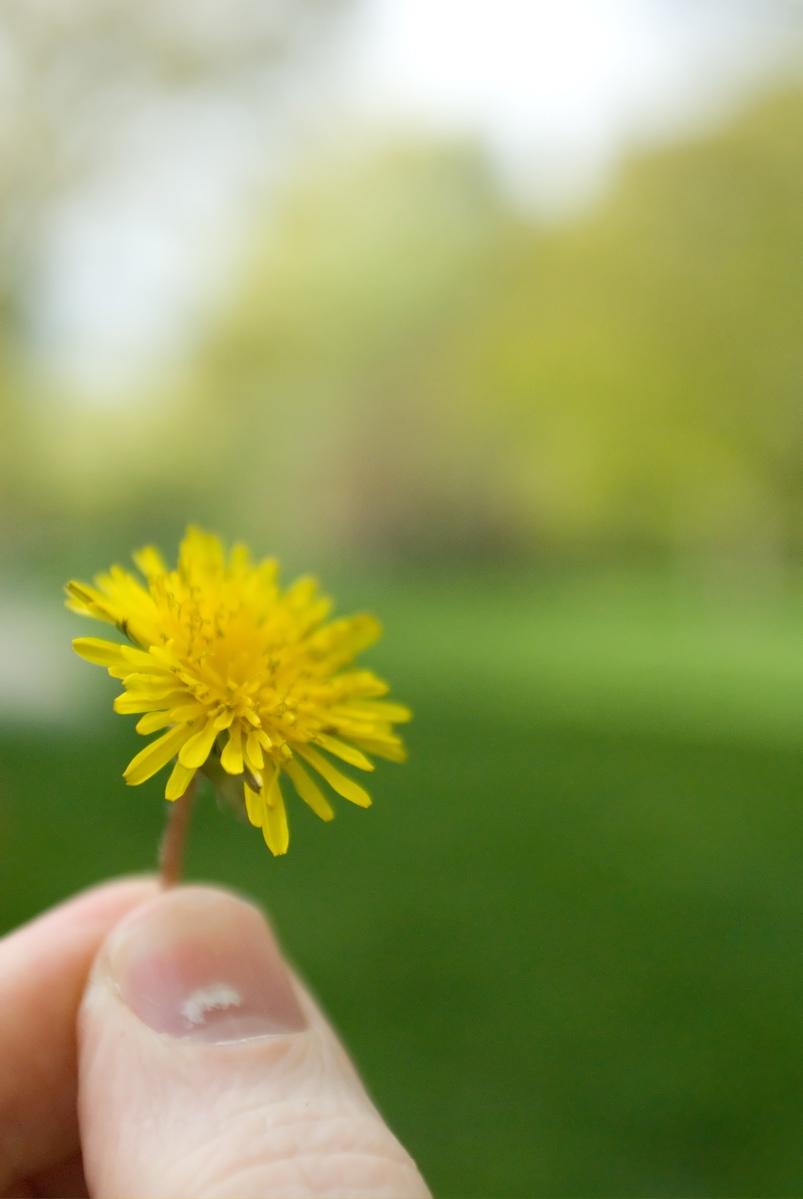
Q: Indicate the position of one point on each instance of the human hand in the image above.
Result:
(200, 1066)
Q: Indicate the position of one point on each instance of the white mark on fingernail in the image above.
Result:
(217, 998)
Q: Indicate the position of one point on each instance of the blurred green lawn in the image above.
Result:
(566, 943)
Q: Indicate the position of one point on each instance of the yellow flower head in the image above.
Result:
(248, 679)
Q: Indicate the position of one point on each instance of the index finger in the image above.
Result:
(43, 969)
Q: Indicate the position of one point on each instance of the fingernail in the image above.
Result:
(199, 964)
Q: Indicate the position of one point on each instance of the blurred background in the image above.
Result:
(491, 314)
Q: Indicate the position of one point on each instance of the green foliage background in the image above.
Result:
(409, 369)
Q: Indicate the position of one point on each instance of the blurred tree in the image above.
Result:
(647, 359)
(410, 368)
(414, 368)
(318, 381)
(83, 85)
(78, 75)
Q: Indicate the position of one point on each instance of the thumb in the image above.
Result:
(206, 1070)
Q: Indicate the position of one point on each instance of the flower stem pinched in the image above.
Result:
(171, 849)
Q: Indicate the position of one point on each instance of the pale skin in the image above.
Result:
(155, 1044)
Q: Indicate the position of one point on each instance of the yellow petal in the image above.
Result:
(269, 776)
(101, 653)
(379, 710)
(187, 711)
(88, 602)
(240, 558)
(179, 781)
(79, 593)
(156, 755)
(195, 752)
(253, 806)
(200, 549)
(347, 752)
(152, 721)
(127, 704)
(274, 827)
(390, 748)
(362, 684)
(149, 561)
(339, 782)
(232, 757)
(309, 791)
(148, 684)
(342, 640)
(141, 657)
(121, 671)
(253, 752)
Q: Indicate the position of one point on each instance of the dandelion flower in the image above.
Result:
(250, 682)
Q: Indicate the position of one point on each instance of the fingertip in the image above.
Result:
(206, 1070)
(200, 963)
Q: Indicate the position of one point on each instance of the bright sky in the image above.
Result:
(554, 88)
